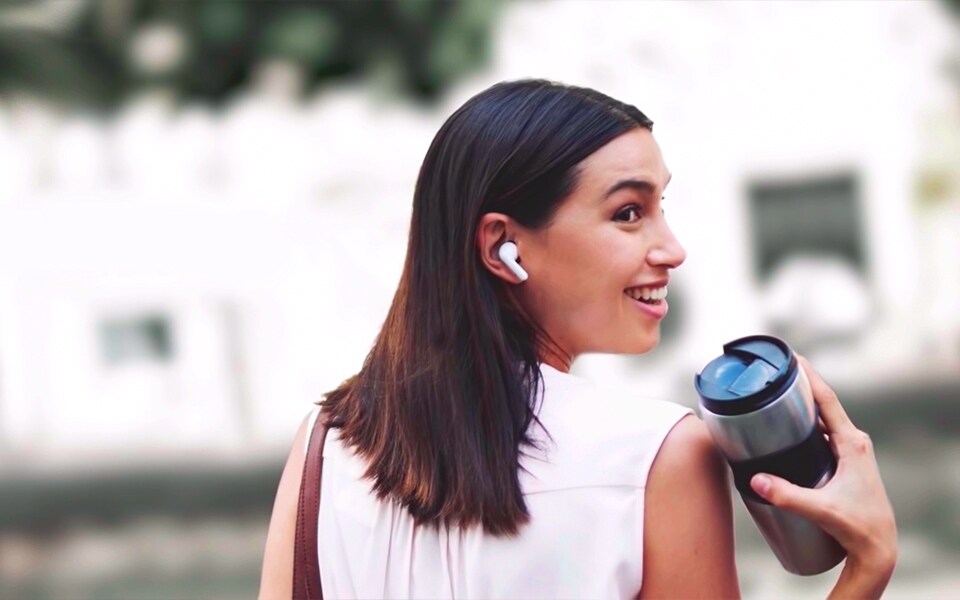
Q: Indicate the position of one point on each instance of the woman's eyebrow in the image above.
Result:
(641, 185)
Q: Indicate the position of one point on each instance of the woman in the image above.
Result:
(465, 461)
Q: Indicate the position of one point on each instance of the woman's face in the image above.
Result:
(608, 243)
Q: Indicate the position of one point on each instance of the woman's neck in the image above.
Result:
(555, 361)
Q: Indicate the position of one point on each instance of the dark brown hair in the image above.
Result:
(441, 408)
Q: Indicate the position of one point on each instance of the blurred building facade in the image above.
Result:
(180, 263)
(178, 283)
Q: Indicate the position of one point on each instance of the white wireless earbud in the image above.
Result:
(508, 255)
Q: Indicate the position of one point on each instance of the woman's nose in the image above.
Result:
(667, 252)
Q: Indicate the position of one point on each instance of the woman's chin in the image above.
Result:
(645, 343)
(633, 347)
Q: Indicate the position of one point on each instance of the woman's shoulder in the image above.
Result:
(688, 518)
(687, 451)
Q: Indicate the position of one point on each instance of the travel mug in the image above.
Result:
(757, 404)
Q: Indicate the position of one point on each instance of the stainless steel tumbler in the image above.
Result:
(757, 403)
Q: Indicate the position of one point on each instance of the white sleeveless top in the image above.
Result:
(585, 497)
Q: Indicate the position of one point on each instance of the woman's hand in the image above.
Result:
(852, 507)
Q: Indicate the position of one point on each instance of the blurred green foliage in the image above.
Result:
(85, 58)
(953, 6)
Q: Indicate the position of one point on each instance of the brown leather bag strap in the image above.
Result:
(306, 568)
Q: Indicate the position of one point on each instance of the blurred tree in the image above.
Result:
(98, 55)
(35, 56)
(953, 6)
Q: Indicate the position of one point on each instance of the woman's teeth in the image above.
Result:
(647, 294)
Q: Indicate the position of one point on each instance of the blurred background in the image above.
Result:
(203, 217)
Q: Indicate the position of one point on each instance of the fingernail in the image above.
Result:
(760, 484)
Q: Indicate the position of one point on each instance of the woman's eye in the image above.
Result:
(628, 213)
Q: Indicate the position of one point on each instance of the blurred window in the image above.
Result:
(820, 215)
(144, 338)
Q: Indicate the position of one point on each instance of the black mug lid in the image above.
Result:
(752, 372)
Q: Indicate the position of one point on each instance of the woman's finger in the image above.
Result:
(831, 411)
(826, 435)
(781, 493)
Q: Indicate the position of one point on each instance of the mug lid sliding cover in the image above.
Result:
(752, 372)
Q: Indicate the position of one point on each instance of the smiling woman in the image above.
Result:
(607, 246)
(463, 450)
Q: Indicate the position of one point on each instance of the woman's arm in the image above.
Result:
(688, 519)
(276, 579)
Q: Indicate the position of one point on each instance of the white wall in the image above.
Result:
(291, 219)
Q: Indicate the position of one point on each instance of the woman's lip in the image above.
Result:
(657, 311)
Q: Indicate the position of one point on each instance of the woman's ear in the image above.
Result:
(493, 230)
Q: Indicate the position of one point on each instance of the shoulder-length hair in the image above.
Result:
(441, 408)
